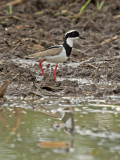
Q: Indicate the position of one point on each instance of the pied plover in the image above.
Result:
(57, 54)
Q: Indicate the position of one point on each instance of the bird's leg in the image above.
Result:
(55, 71)
(40, 63)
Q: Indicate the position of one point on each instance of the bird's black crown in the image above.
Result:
(72, 34)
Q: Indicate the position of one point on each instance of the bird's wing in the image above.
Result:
(52, 51)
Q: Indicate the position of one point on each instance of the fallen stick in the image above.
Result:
(109, 40)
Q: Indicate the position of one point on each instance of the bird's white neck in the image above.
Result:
(69, 41)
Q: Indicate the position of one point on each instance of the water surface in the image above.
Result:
(95, 133)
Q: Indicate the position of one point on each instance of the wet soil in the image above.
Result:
(93, 69)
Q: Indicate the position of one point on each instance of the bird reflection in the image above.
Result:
(66, 115)
(68, 120)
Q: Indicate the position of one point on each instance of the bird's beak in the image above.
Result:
(81, 37)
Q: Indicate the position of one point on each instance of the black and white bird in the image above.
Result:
(57, 54)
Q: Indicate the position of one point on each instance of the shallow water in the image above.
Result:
(24, 124)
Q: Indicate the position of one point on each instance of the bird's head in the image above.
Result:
(73, 34)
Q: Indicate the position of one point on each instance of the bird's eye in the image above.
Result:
(73, 34)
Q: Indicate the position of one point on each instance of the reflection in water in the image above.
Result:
(3, 119)
(66, 116)
(68, 120)
(90, 131)
(16, 115)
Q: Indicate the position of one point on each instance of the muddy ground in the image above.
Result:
(93, 69)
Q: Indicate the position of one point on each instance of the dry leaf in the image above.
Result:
(14, 2)
(90, 93)
(23, 26)
(3, 88)
(95, 152)
(53, 145)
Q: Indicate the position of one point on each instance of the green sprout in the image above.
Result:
(10, 9)
(100, 4)
(84, 6)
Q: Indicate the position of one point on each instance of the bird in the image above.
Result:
(59, 53)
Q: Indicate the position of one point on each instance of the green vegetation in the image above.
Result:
(10, 9)
(84, 6)
(100, 4)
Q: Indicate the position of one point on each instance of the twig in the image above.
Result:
(91, 65)
(11, 72)
(109, 40)
(86, 60)
(15, 76)
(11, 16)
(118, 16)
